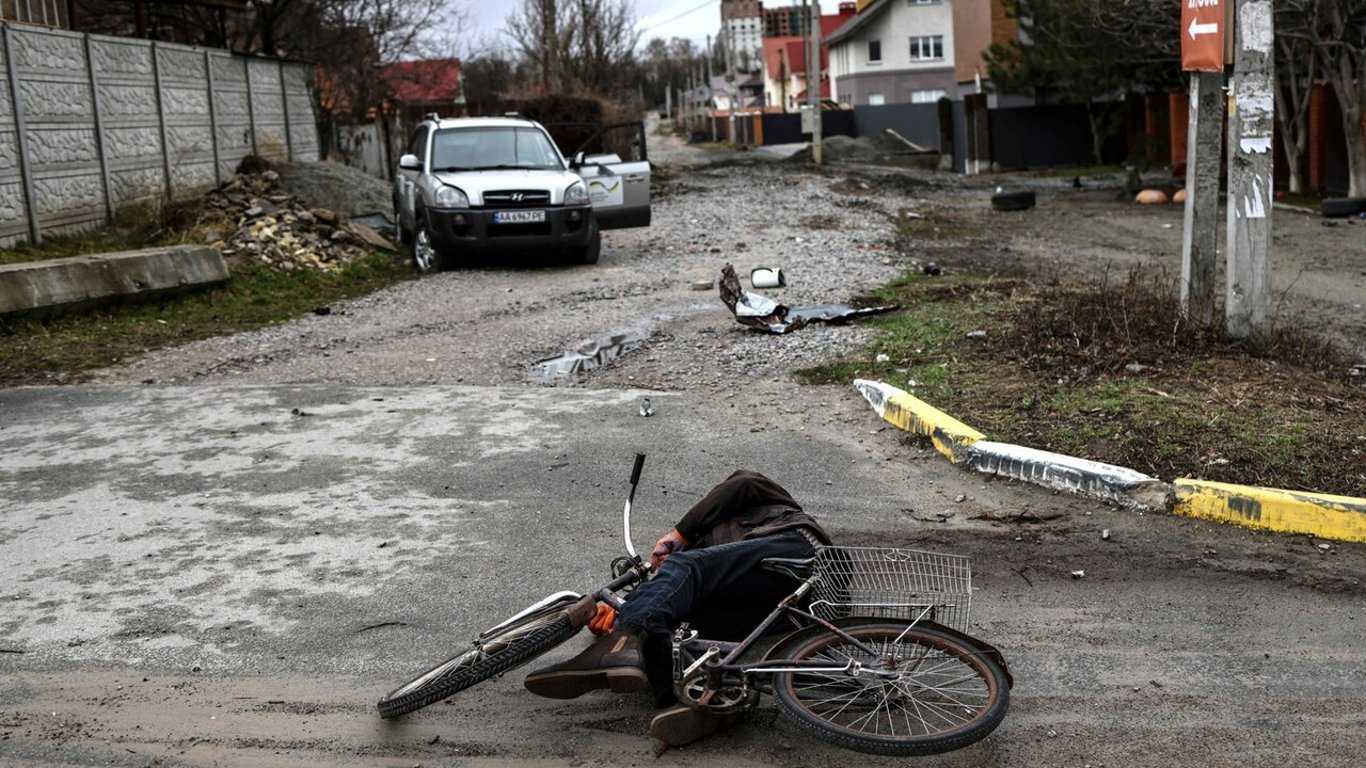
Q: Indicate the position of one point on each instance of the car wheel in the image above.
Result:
(426, 258)
(589, 253)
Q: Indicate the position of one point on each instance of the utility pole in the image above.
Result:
(711, 115)
(1247, 298)
(733, 91)
(1203, 30)
(813, 80)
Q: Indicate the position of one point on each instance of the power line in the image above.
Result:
(679, 16)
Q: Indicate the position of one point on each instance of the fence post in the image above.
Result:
(100, 149)
(284, 96)
(251, 108)
(161, 123)
(16, 103)
(213, 120)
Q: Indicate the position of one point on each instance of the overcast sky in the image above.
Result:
(693, 19)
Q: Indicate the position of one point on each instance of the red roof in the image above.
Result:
(433, 81)
(787, 55)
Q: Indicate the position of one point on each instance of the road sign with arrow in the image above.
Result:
(1202, 35)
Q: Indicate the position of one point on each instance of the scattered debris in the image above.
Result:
(1021, 571)
(975, 335)
(1105, 535)
(265, 223)
(932, 269)
(1151, 197)
(767, 277)
(1078, 574)
(1013, 201)
(590, 355)
(702, 285)
(646, 409)
(761, 312)
(381, 624)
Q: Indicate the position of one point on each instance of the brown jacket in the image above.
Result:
(745, 505)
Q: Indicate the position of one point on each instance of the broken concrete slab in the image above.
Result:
(54, 286)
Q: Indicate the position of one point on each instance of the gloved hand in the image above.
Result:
(668, 544)
(602, 621)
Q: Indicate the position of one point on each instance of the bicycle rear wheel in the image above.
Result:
(489, 657)
(945, 696)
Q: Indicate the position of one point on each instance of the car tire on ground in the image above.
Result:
(426, 257)
(1337, 207)
(1013, 201)
(589, 253)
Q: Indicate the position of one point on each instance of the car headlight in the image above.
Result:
(576, 195)
(450, 197)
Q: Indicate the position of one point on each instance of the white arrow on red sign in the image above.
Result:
(1212, 28)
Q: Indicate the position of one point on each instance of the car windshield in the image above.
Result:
(493, 147)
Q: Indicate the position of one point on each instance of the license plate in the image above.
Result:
(518, 217)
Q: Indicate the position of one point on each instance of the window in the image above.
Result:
(927, 96)
(418, 144)
(874, 51)
(476, 149)
(876, 99)
(927, 48)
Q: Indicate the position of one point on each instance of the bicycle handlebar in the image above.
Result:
(626, 514)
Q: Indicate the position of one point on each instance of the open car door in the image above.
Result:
(613, 163)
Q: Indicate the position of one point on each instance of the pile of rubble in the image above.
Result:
(274, 227)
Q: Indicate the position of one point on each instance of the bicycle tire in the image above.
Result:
(476, 665)
(949, 676)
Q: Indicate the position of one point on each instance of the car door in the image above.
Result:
(614, 165)
(405, 180)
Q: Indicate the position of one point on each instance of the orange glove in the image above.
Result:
(602, 621)
(668, 544)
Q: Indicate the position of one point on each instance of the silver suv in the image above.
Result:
(486, 186)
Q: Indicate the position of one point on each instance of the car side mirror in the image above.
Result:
(577, 160)
(409, 163)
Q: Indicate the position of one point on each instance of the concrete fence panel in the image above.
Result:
(89, 124)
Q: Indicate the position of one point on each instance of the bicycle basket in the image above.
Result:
(892, 583)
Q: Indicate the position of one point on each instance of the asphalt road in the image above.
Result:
(232, 575)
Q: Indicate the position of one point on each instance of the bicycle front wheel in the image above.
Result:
(490, 657)
(943, 693)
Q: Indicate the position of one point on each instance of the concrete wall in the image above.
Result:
(89, 124)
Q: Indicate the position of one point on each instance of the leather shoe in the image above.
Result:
(612, 662)
(681, 725)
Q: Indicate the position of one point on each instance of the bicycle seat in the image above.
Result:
(796, 567)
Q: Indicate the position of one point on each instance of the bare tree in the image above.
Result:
(1336, 31)
(1297, 69)
(586, 45)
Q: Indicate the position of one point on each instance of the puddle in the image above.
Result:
(590, 356)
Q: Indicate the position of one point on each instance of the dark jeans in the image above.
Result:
(719, 590)
(711, 582)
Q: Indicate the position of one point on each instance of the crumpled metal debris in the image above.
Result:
(590, 355)
(762, 312)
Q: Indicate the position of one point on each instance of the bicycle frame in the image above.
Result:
(719, 658)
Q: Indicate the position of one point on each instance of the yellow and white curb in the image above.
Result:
(1339, 518)
(1060, 472)
(950, 436)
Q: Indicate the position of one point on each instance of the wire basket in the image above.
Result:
(892, 583)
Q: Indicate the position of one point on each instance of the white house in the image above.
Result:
(895, 52)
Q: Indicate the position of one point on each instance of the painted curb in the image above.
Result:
(903, 410)
(1068, 473)
(1340, 518)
